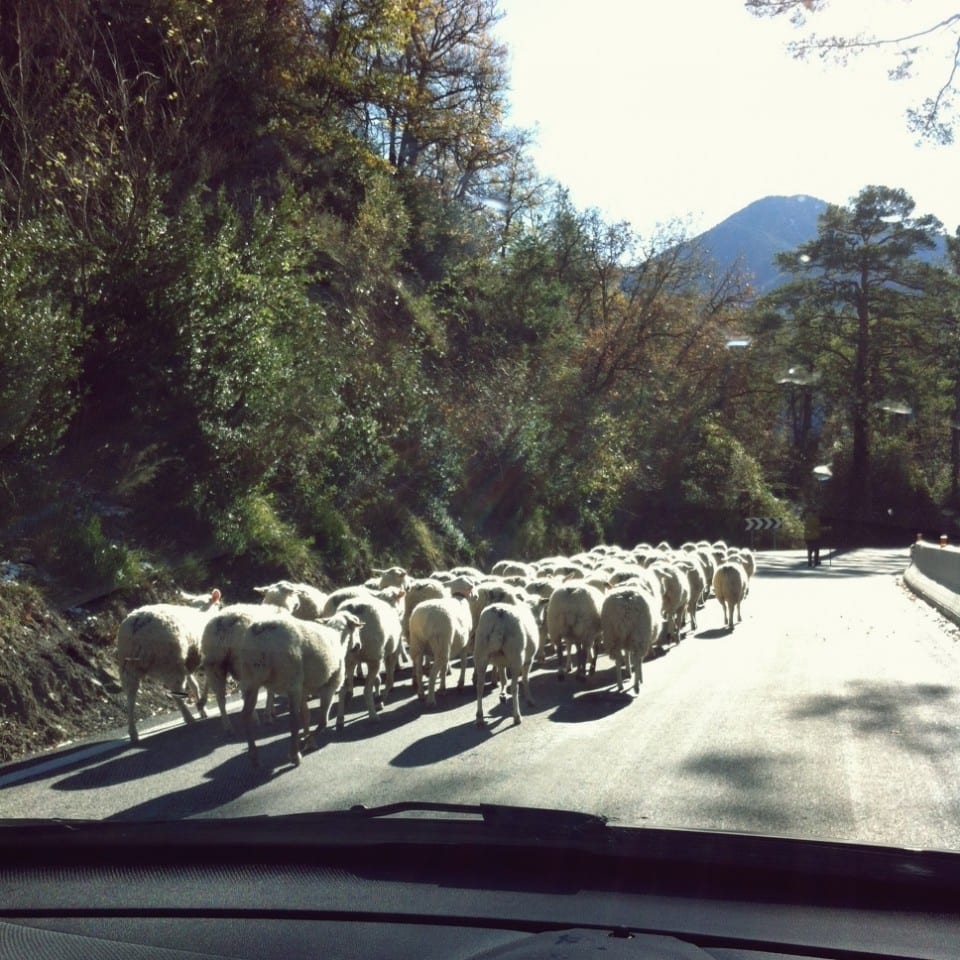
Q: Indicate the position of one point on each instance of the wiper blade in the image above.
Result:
(408, 821)
(495, 814)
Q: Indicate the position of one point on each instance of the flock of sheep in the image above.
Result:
(302, 643)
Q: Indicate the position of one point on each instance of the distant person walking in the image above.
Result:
(812, 534)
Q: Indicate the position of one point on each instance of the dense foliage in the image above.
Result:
(278, 288)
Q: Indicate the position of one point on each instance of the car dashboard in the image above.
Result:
(509, 883)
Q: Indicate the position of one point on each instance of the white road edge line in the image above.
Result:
(69, 758)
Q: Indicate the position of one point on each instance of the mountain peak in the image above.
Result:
(754, 236)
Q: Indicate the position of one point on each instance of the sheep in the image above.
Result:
(676, 596)
(309, 601)
(358, 591)
(745, 557)
(729, 586)
(163, 640)
(541, 588)
(379, 644)
(491, 590)
(630, 626)
(559, 567)
(709, 563)
(495, 590)
(223, 635)
(392, 577)
(573, 614)
(507, 568)
(337, 597)
(507, 636)
(696, 582)
(441, 630)
(300, 658)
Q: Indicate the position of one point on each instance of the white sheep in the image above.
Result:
(573, 614)
(359, 591)
(745, 557)
(299, 658)
(310, 600)
(631, 623)
(696, 582)
(676, 596)
(540, 588)
(379, 646)
(223, 635)
(337, 597)
(729, 587)
(162, 640)
(508, 568)
(492, 590)
(709, 564)
(507, 637)
(392, 577)
(439, 630)
(428, 588)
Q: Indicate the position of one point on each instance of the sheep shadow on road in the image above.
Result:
(569, 701)
(397, 712)
(714, 633)
(591, 705)
(221, 786)
(440, 746)
(155, 754)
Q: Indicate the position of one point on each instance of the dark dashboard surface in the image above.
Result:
(360, 886)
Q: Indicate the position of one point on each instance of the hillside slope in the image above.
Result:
(753, 236)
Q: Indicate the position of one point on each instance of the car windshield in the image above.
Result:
(455, 402)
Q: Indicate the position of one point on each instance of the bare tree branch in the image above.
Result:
(933, 121)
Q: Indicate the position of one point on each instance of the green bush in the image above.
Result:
(252, 529)
(80, 554)
(40, 337)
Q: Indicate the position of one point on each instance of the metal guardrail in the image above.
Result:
(934, 575)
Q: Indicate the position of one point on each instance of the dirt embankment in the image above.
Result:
(58, 671)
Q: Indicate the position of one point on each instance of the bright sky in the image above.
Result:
(656, 110)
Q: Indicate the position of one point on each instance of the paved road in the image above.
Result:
(830, 711)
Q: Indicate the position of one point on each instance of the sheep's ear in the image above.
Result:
(215, 595)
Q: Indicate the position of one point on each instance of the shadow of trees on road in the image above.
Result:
(834, 564)
(743, 789)
(902, 712)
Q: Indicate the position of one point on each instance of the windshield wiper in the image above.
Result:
(494, 814)
(407, 821)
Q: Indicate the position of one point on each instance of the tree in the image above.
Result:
(859, 287)
(934, 119)
(949, 352)
(433, 98)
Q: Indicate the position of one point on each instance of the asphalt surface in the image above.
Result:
(830, 711)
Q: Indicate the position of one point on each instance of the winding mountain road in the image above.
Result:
(831, 711)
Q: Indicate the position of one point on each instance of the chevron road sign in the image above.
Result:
(764, 523)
